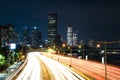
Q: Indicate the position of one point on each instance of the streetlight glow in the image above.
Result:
(98, 45)
(79, 46)
(63, 45)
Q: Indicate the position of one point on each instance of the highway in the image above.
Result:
(31, 70)
(40, 67)
(94, 70)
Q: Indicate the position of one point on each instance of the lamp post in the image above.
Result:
(63, 46)
(58, 54)
(98, 48)
(105, 55)
(54, 47)
(70, 55)
(83, 54)
(105, 52)
(79, 50)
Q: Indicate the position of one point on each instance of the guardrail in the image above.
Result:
(14, 74)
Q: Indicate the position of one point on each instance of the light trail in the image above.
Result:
(32, 69)
(93, 69)
(59, 71)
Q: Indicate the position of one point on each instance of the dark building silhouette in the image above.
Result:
(58, 40)
(40, 38)
(36, 38)
(52, 28)
(8, 35)
(1, 28)
(26, 36)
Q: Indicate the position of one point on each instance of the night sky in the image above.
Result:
(93, 19)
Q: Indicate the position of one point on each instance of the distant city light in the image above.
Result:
(102, 51)
(28, 45)
(12, 46)
(41, 46)
(35, 27)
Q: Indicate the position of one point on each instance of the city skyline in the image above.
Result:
(97, 20)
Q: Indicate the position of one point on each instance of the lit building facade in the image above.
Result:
(52, 28)
(69, 36)
(75, 38)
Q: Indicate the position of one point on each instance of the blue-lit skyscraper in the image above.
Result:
(69, 36)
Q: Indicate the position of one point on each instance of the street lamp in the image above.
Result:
(71, 55)
(82, 50)
(79, 46)
(54, 47)
(105, 52)
(58, 55)
(98, 48)
(63, 46)
(98, 45)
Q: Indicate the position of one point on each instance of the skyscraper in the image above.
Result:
(52, 28)
(35, 38)
(75, 38)
(8, 35)
(26, 36)
(69, 36)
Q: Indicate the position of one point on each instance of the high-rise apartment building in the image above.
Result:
(52, 28)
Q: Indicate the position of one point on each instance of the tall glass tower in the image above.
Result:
(69, 36)
(52, 28)
(75, 38)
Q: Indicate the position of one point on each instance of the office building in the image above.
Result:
(36, 38)
(8, 35)
(52, 28)
(69, 36)
(75, 38)
(26, 36)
